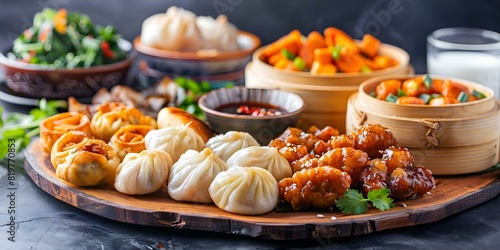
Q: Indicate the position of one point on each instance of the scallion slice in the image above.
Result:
(478, 94)
(391, 98)
(425, 97)
(463, 97)
(427, 81)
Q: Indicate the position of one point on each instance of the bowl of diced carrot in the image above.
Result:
(325, 68)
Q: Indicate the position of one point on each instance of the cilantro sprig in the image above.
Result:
(354, 202)
(22, 127)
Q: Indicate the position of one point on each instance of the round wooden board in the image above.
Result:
(451, 195)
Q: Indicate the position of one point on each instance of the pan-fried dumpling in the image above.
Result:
(65, 145)
(174, 30)
(143, 173)
(174, 140)
(218, 33)
(225, 145)
(110, 118)
(129, 139)
(172, 116)
(89, 164)
(245, 190)
(263, 157)
(55, 126)
(192, 174)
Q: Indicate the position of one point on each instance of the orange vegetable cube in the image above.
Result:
(323, 68)
(369, 45)
(453, 89)
(410, 100)
(314, 41)
(441, 101)
(291, 42)
(387, 87)
(349, 61)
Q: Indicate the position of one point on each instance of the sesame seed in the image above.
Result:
(320, 216)
(404, 205)
(429, 193)
(333, 218)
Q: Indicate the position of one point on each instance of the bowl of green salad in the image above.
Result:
(65, 54)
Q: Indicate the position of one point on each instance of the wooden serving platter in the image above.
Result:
(452, 195)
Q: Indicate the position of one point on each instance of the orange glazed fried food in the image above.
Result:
(55, 126)
(373, 176)
(65, 145)
(397, 157)
(111, 117)
(372, 138)
(348, 160)
(316, 187)
(410, 182)
(129, 139)
(90, 164)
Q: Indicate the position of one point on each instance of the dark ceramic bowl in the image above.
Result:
(211, 65)
(39, 81)
(262, 128)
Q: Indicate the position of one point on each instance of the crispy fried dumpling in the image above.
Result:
(143, 173)
(192, 174)
(129, 139)
(108, 120)
(55, 126)
(172, 116)
(245, 190)
(263, 157)
(65, 145)
(91, 163)
(174, 140)
(225, 145)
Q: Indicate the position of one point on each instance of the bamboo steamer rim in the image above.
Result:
(289, 85)
(386, 49)
(454, 110)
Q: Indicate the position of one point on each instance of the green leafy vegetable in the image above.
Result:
(20, 128)
(353, 201)
(64, 39)
(194, 90)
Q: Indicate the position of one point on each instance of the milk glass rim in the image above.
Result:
(434, 40)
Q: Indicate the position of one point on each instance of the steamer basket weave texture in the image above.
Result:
(454, 139)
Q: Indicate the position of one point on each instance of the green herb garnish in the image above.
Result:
(22, 127)
(427, 81)
(336, 52)
(353, 201)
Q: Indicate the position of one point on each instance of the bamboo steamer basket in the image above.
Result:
(326, 96)
(455, 139)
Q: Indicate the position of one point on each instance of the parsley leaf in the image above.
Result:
(21, 127)
(353, 201)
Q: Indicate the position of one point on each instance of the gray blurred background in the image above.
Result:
(403, 23)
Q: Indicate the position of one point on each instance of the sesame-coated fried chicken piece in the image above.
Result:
(397, 157)
(306, 162)
(410, 182)
(348, 160)
(316, 187)
(373, 176)
(372, 138)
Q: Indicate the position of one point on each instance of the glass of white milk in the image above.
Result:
(466, 53)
